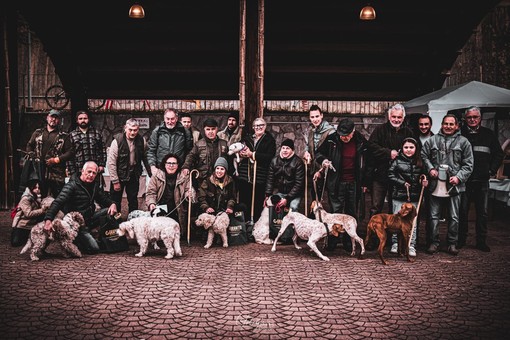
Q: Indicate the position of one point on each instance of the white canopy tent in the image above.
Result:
(438, 103)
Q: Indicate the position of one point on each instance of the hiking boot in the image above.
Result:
(452, 250)
(412, 251)
(432, 249)
(483, 247)
(394, 248)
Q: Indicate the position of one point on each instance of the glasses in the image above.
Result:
(259, 126)
(473, 117)
(171, 163)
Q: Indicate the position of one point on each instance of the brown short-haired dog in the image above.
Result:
(401, 223)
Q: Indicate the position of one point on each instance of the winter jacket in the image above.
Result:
(316, 137)
(383, 139)
(454, 151)
(486, 151)
(235, 137)
(119, 158)
(87, 146)
(164, 141)
(156, 189)
(204, 154)
(401, 171)
(60, 146)
(75, 197)
(286, 176)
(29, 211)
(212, 195)
(331, 149)
(264, 151)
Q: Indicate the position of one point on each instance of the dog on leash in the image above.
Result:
(261, 227)
(235, 149)
(347, 224)
(307, 229)
(214, 224)
(64, 232)
(152, 229)
(401, 223)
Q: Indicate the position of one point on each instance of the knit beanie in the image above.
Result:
(234, 115)
(221, 162)
(289, 143)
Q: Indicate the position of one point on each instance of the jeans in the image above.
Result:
(131, 187)
(84, 240)
(477, 192)
(343, 201)
(394, 237)
(453, 205)
(379, 192)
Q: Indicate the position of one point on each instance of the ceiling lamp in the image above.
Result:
(136, 12)
(367, 13)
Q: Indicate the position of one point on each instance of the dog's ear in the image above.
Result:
(336, 229)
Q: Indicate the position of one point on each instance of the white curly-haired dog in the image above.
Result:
(261, 228)
(235, 149)
(64, 232)
(214, 224)
(151, 229)
(307, 229)
(347, 222)
(142, 213)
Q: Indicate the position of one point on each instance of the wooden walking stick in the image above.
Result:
(190, 200)
(415, 220)
(253, 192)
(306, 188)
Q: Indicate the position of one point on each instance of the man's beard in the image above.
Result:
(83, 125)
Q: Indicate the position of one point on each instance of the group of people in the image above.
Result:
(188, 165)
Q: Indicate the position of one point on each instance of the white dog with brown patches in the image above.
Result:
(347, 222)
(151, 229)
(307, 229)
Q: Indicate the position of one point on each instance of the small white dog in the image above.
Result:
(214, 224)
(151, 229)
(235, 149)
(307, 229)
(261, 227)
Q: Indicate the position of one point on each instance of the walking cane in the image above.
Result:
(253, 192)
(306, 188)
(415, 220)
(190, 201)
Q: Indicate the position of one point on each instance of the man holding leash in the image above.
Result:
(345, 150)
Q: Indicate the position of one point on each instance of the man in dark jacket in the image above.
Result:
(286, 177)
(345, 150)
(53, 148)
(488, 156)
(384, 144)
(206, 151)
(80, 194)
(125, 157)
(169, 137)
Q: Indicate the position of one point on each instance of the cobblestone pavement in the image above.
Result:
(251, 293)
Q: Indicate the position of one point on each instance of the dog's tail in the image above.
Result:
(369, 232)
(26, 247)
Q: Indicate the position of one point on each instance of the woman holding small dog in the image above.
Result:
(218, 191)
(407, 174)
(28, 215)
(169, 186)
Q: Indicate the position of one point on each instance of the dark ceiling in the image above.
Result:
(313, 49)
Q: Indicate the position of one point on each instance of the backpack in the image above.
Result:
(14, 211)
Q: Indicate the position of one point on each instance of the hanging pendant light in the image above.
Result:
(367, 13)
(136, 12)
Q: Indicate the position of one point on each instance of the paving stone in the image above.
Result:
(248, 292)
